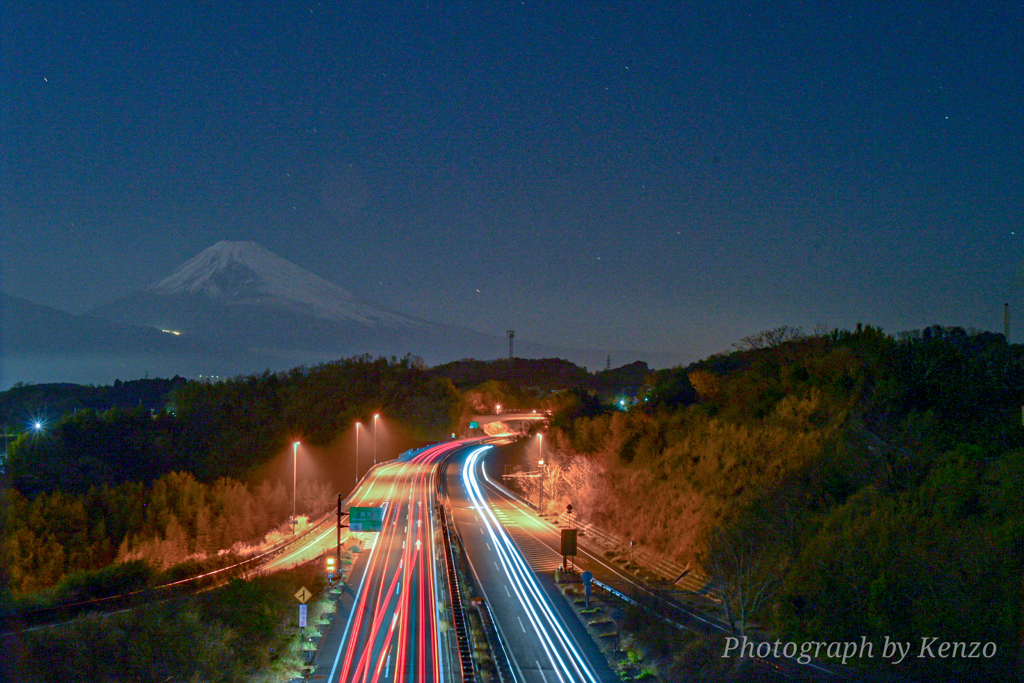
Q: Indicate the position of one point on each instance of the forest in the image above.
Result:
(870, 483)
(201, 474)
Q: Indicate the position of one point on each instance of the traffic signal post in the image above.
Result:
(339, 532)
(569, 544)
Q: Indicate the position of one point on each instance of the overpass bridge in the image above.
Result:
(505, 422)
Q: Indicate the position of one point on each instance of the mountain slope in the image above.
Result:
(39, 344)
(245, 273)
(245, 301)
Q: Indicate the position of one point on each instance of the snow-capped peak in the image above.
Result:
(247, 273)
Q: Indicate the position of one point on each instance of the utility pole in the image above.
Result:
(541, 510)
(511, 335)
(339, 536)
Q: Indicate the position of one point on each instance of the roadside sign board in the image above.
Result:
(365, 519)
(474, 425)
(568, 542)
(302, 616)
(303, 595)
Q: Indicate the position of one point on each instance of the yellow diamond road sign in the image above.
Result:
(303, 595)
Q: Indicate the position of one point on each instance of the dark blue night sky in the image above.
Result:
(658, 176)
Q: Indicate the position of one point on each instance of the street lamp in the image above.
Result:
(295, 464)
(358, 425)
(375, 439)
(540, 437)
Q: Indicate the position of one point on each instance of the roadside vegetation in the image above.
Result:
(201, 475)
(639, 646)
(57, 539)
(245, 631)
(871, 482)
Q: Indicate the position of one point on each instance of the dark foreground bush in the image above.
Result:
(242, 632)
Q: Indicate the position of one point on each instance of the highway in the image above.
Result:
(389, 629)
(544, 639)
(391, 633)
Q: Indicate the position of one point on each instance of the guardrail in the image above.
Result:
(692, 581)
(458, 609)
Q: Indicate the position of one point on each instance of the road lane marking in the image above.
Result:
(541, 671)
(348, 624)
(506, 592)
(488, 547)
(521, 624)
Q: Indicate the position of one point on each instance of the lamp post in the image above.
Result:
(375, 439)
(540, 438)
(358, 425)
(295, 478)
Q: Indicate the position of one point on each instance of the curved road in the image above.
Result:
(391, 630)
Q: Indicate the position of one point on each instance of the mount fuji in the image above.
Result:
(254, 310)
(234, 309)
(246, 274)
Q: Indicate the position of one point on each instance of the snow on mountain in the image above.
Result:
(245, 273)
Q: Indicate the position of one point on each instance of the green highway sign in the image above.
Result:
(476, 425)
(365, 519)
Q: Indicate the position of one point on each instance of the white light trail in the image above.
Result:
(563, 652)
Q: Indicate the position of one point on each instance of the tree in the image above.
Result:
(744, 567)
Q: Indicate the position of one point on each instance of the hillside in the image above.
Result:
(879, 479)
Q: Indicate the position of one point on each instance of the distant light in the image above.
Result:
(296, 443)
(37, 425)
(176, 333)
